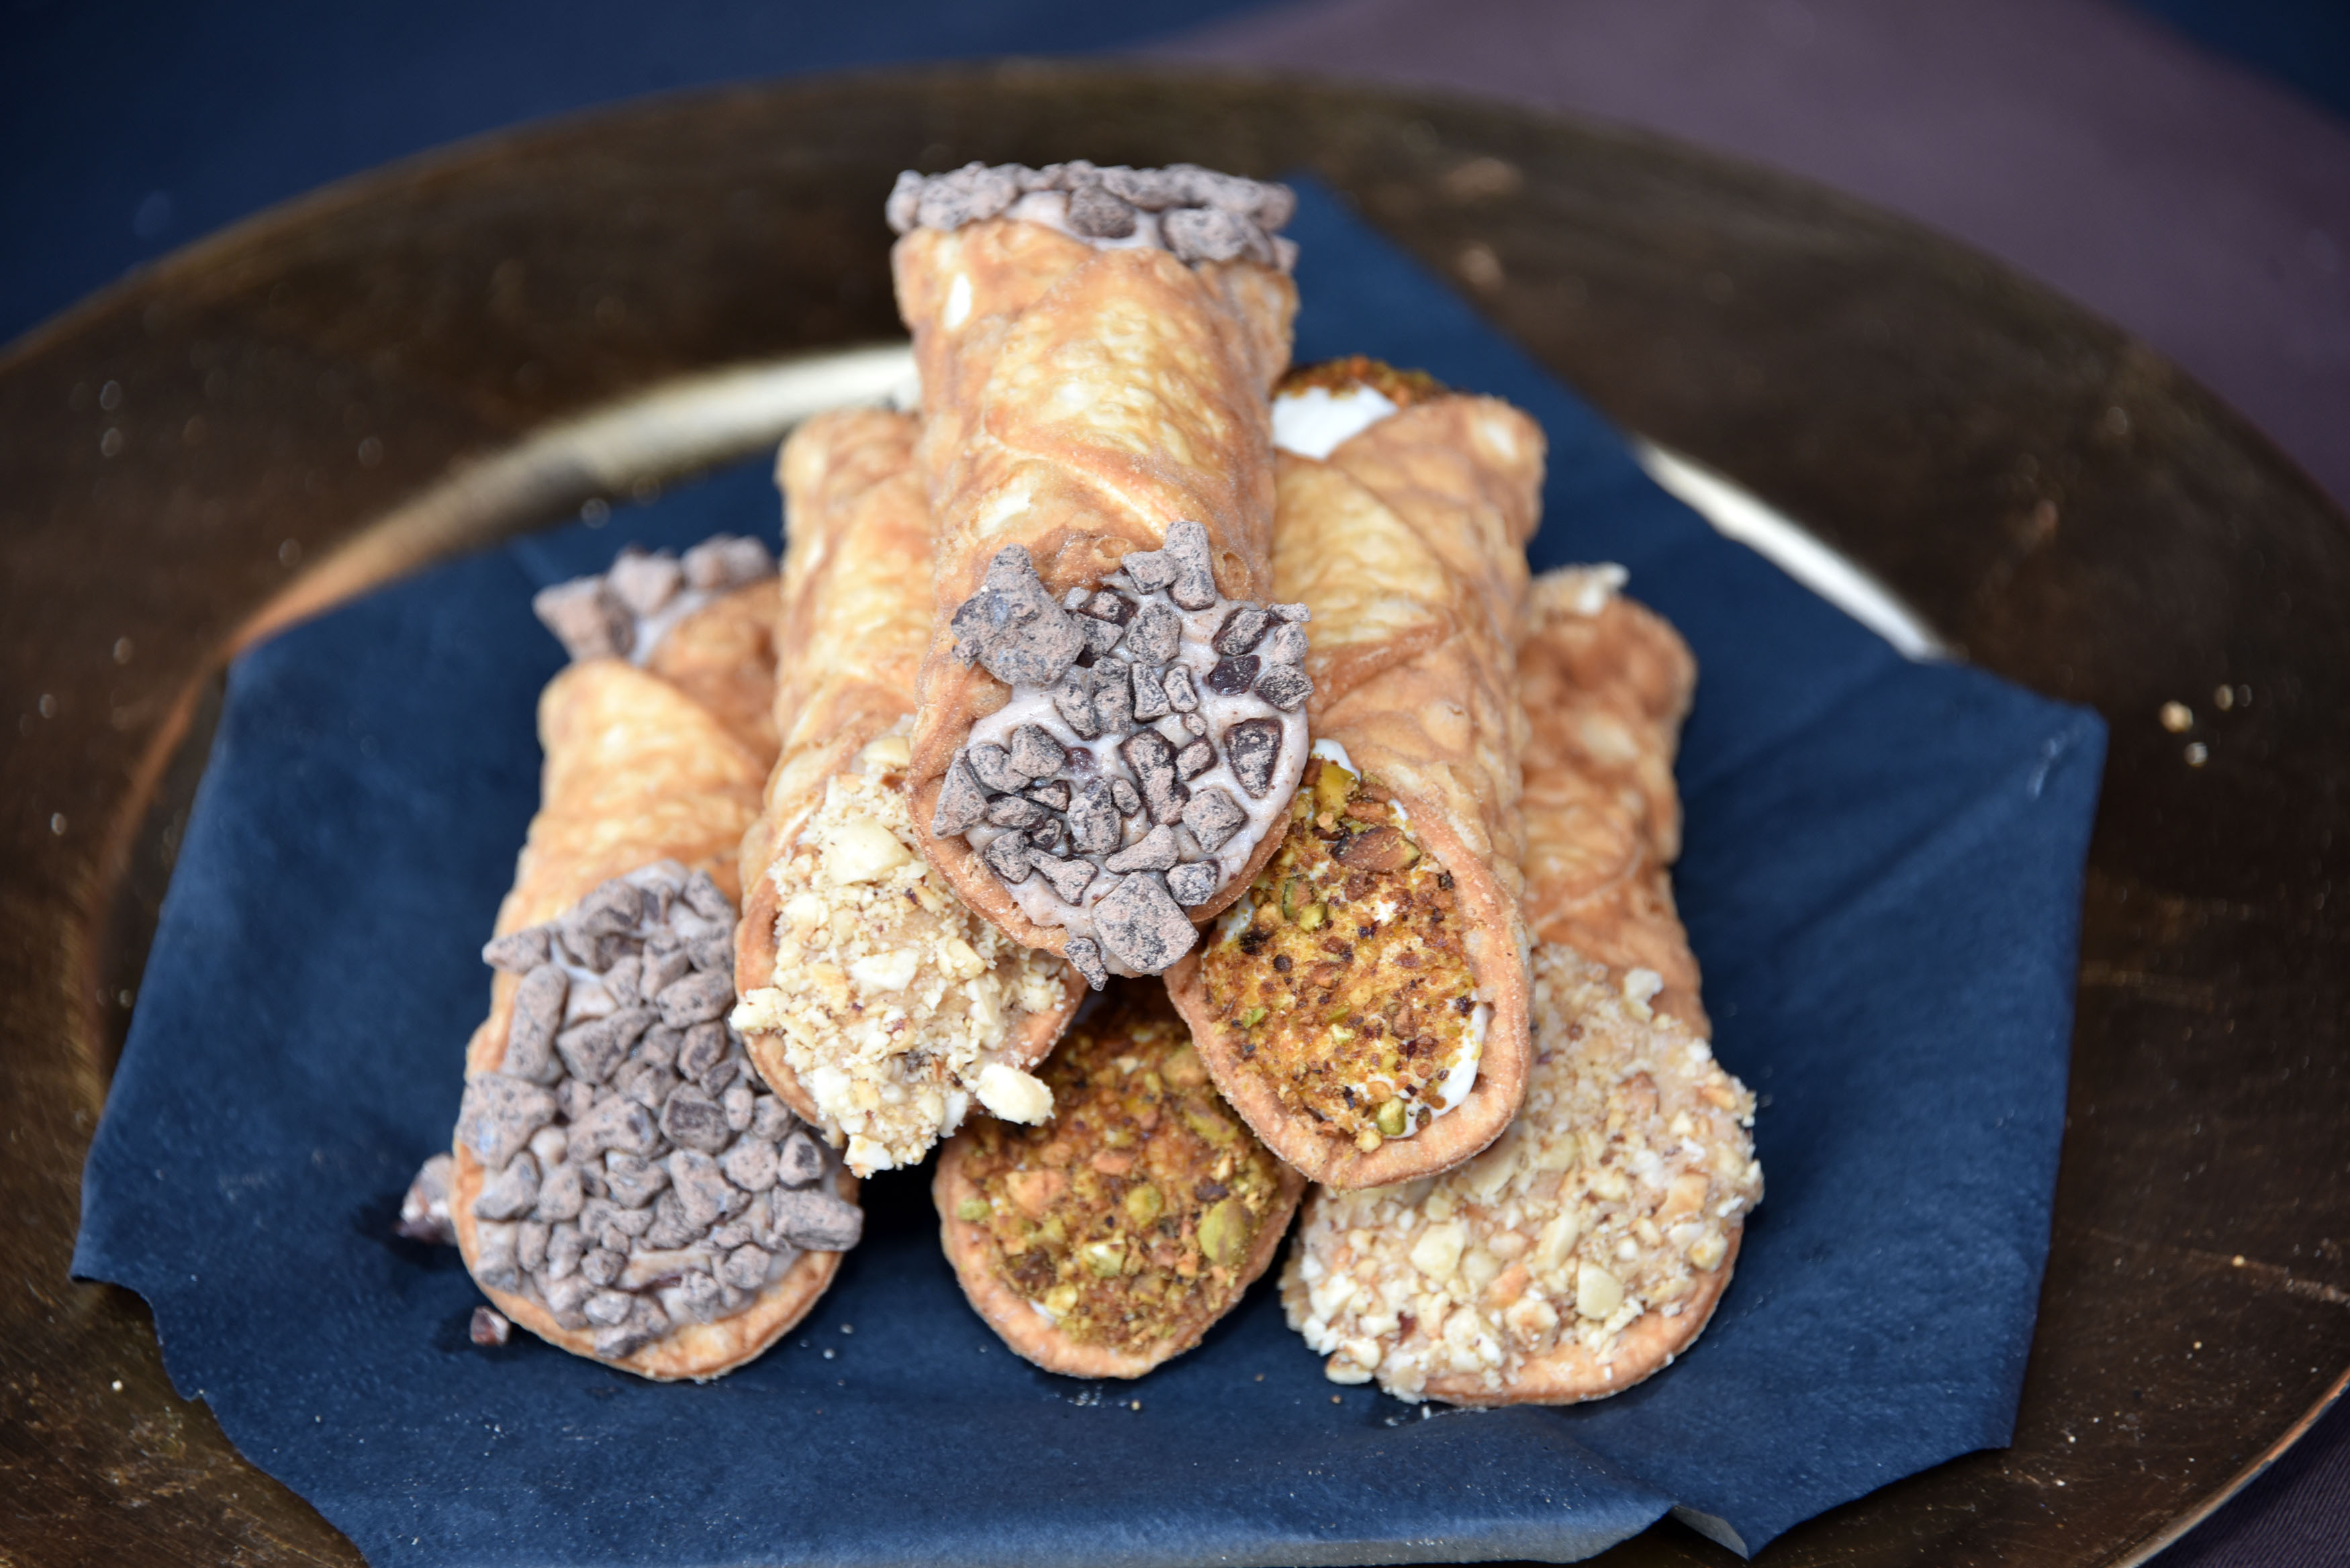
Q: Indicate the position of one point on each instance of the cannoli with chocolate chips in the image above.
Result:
(1365, 1005)
(1112, 1237)
(1588, 1247)
(622, 1185)
(1112, 714)
(877, 1005)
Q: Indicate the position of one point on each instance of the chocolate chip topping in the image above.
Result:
(1193, 882)
(1285, 685)
(625, 612)
(1233, 676)
(516, 952)
(1155, 851)
(1035, 752)
(962, 802)
(1015, 811)
(1157, 634)
(1213, 816)
(1085, 954)
(1194, 759)
(1253, 748)
(1013, 628)
(632, 1194)
(1008, 857)
(1242, 628)
(1141, 924)
(1094, 825)
(1200, 214)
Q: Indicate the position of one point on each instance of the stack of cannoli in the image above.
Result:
(1133, 663)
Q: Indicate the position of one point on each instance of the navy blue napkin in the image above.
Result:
(1882, 878)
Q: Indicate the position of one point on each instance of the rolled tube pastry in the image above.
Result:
(1114, 1236)
(621, 1183)
(1111, 717)
(1365, 1005)
(1589, 1246)
(875, 1003)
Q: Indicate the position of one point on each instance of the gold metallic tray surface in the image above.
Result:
(425, 359)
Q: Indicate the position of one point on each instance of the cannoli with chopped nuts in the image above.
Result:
(1096, 347)
(1590, 1245)
(1364, 1004)
(622, 1183)
(1113, 1236)
(873, 999)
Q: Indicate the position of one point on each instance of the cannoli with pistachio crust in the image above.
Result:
(621, 1183)
(1111, 716)
(1112, 1237)
(1588, 1247)
(1365, 1005)
(873, 1001)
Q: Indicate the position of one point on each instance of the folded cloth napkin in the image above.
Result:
(1882, 878)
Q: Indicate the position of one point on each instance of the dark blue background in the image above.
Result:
(1882, 878)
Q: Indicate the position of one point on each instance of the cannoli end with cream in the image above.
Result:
(877, 1005)
(1366, 1005)
(1111, 714)
(1110, 1238)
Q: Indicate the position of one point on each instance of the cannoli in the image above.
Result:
(1365, 1005)
(1111, 718)
(873, 1001)
(1589, 1246)
(703, 623)
(1112, 1237)
(622, 1183)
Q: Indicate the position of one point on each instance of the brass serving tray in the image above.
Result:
(411, 363)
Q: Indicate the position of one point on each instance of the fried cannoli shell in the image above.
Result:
(1171, 365)
(853, 622)
(723, 657)
(1611, 687)
(635, 772)
(1407, 544)
(1015, 1319)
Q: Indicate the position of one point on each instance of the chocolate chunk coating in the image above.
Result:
(516, 952)
(1105, 605)
(696, 998)
(587, 618)
(1157, 634)
(1046, 835)
(617, 1123)
(1241, 629)
(1181, 695)
(1233, 676)
(1098, 215)
(1073, 699)
(537, 1014)
(1285, 685)
(1253, 748)
(1033, 752)
(1152, 759)
(1148, 570)
(1193, 883)
(1126, 797)
(798, 1161)
(1194, 759)
(1213, 816)
(633, 1180)
(992, 766)
(1286, 644)
(1113, 698)
(1070, 878)
(1008, 857)
(1013, 628)
(508, 1194)
(816, 1220)
(1094, 826)
(1053, 794)
(593, 1049)
(1155, 851)
(704, 1047)
(1150, 696)
(1015, 811)
(1142, 926)
(1194, 586)
(962, 802)
(692, 1119)
(1085, 955)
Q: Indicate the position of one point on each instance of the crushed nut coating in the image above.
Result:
(1129, 1218)
(1343, 973)
(1617, 1193)
(892, 998)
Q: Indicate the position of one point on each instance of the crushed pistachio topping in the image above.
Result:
(1343, 973)
(1614, 1195)
(1129, 1217)
(892, 998)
